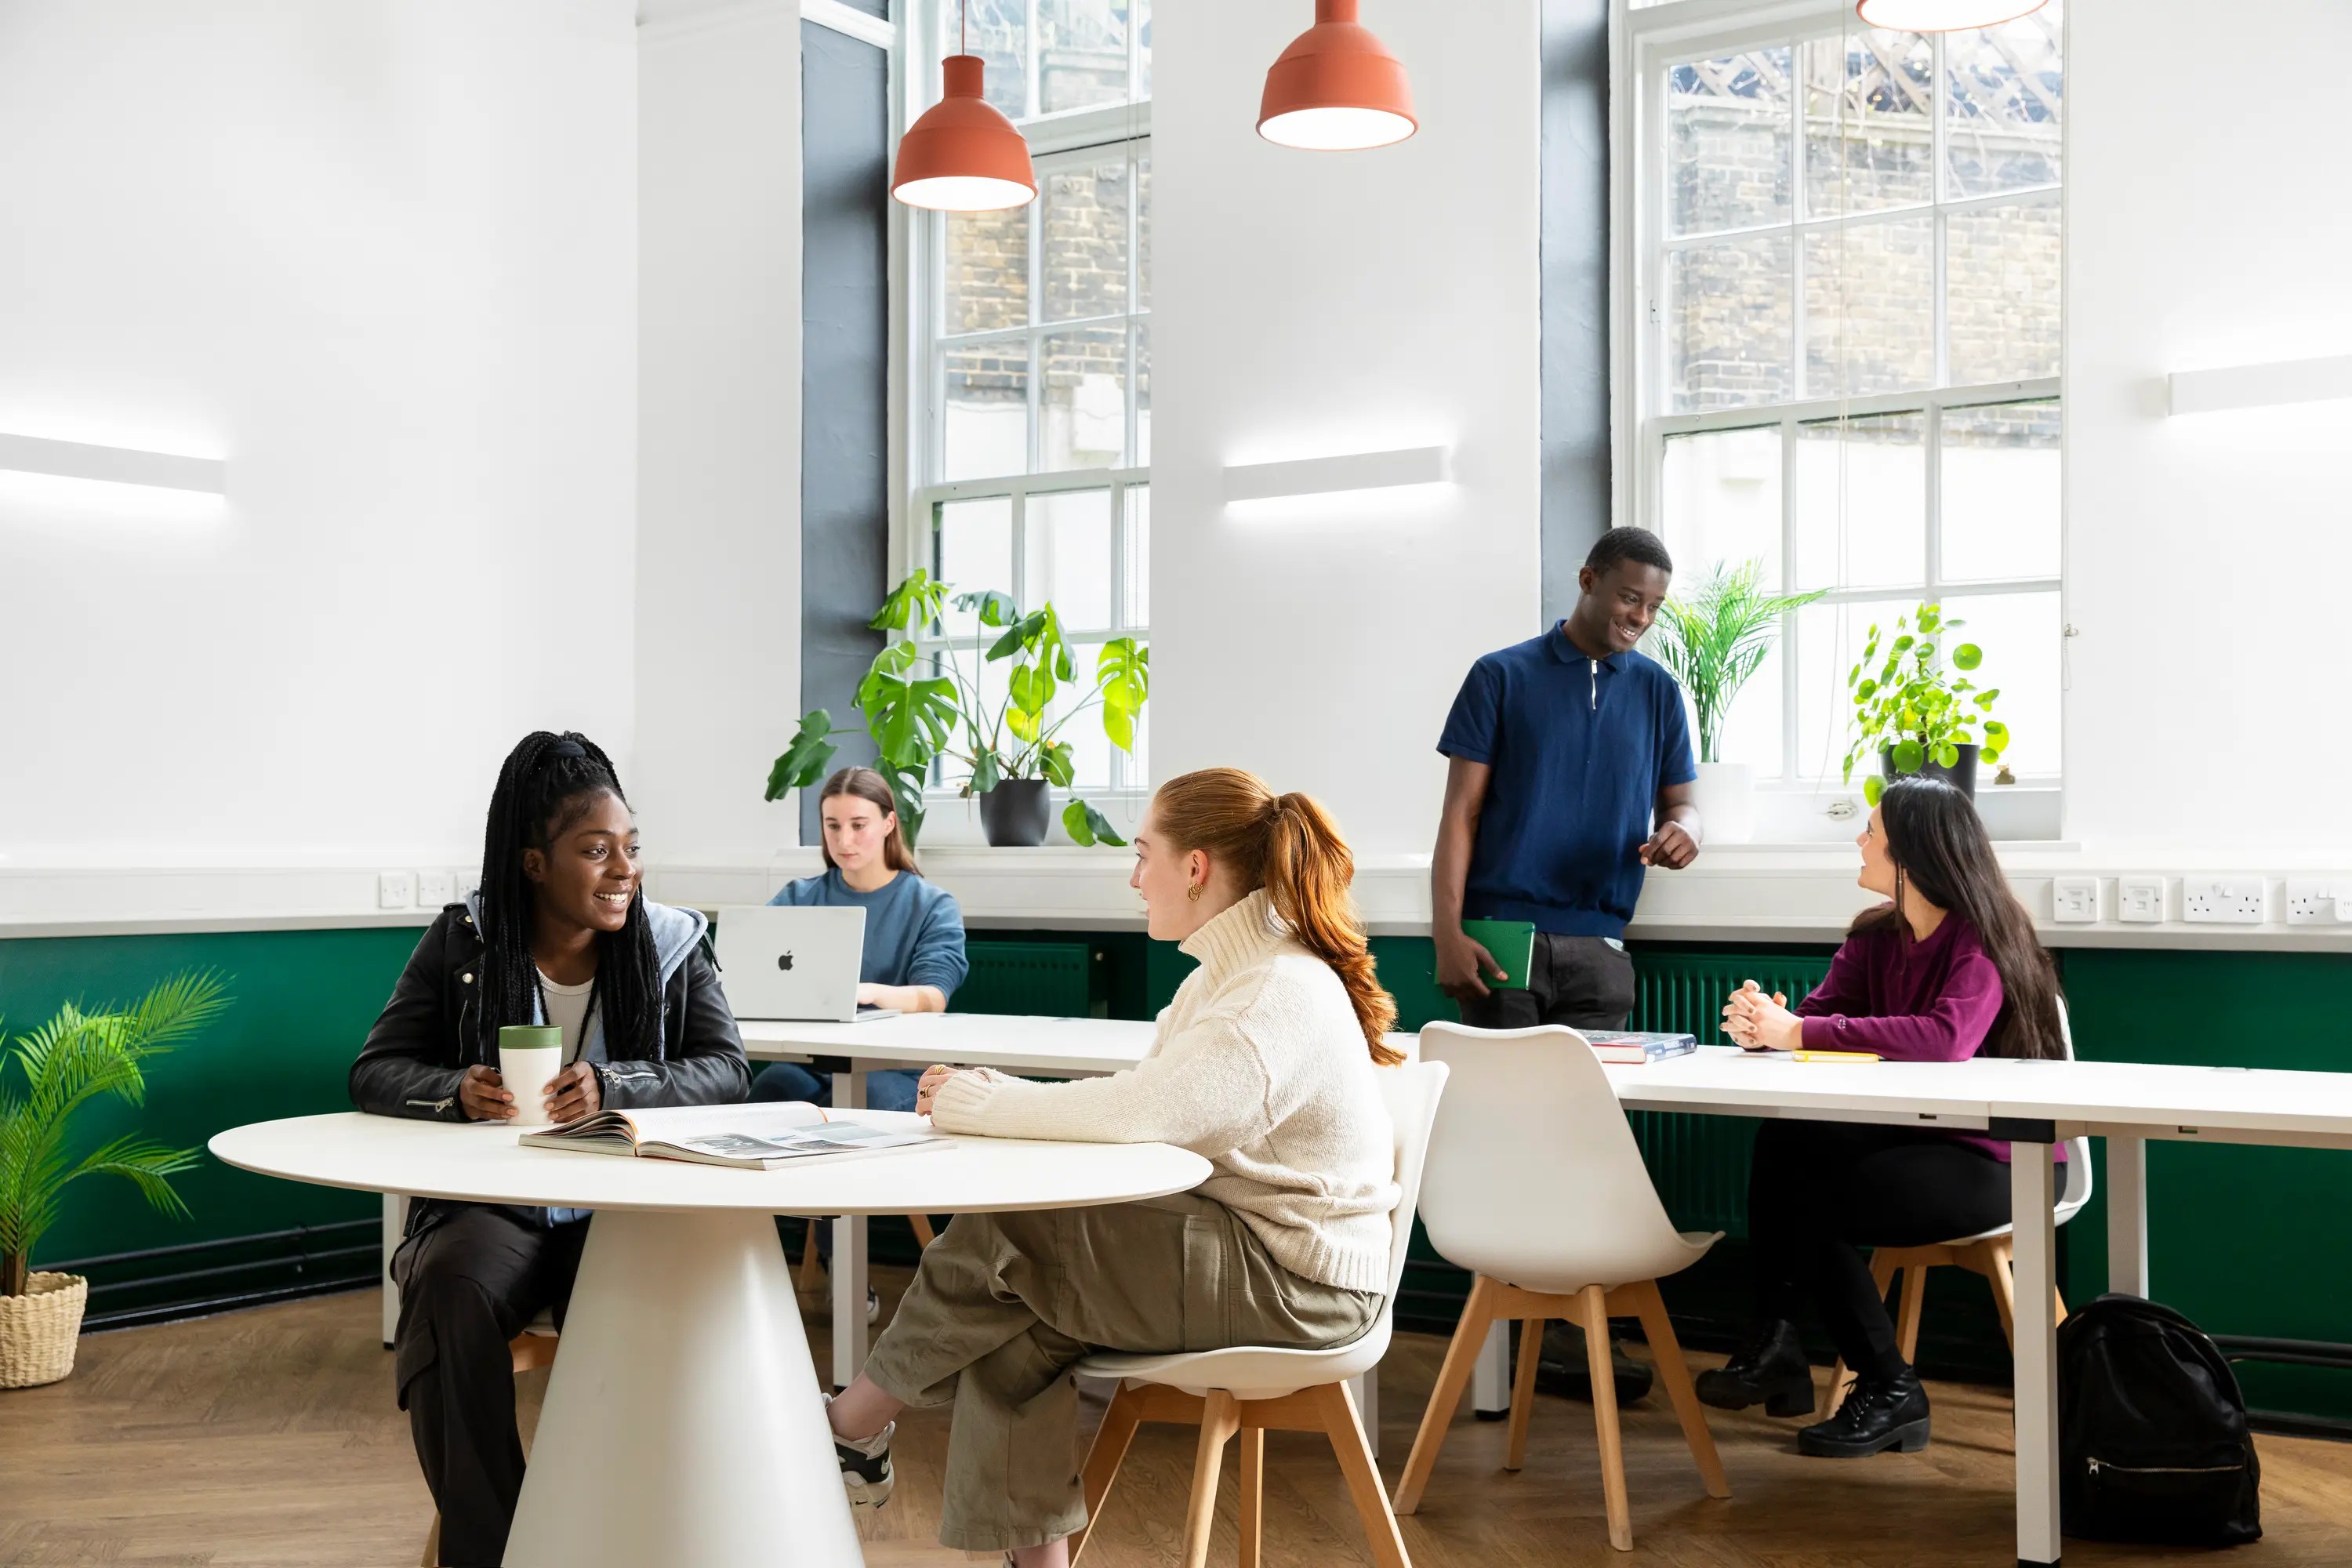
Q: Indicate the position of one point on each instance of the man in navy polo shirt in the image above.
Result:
(1570, 772)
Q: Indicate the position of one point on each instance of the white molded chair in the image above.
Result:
(1537, 1187)
(1987, 1253)
(1251, 1391)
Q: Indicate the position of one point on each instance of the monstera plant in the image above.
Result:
(925, 711)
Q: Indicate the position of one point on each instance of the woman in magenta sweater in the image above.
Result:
(1947, 969)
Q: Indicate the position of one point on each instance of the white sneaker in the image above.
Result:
(866, 1471)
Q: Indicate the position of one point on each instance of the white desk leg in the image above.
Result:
(2127, 1215)
(1366, 1385)
(682, 1425)
(396, 1214)
(849, 1270)
(2031, 1187)
(1490, 1374)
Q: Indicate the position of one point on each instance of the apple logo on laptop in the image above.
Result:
(784, 960)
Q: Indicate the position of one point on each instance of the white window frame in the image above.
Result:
(1648, 40)
(1070, 139)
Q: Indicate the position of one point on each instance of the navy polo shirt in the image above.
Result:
(1579, 749)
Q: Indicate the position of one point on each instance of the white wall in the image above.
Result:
(718, 587)
(380, 256)
(1308, 304)
(2207, 225)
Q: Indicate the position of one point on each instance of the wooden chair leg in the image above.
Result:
(1103, 1459)
(812, 1274)
(1592, 1306)
(1999, 1257)
(1453, 1380)
(2057, 1305)
(432, 1558)
(1251, 1503)
(924, 1236)
(1915, 1303)
(1882, 1274)
(1675, 1373)
(1523, 1392)
(1220, 1419)
(1346, 1429)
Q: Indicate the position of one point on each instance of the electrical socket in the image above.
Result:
(433, 888)
(2140, 900)
(2313, 900)
(2222, 900)
(2074, 899)
(395, 890)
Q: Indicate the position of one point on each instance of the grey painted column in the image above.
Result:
(1575, 265)
(845, 376)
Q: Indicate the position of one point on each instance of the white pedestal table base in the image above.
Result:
(683, 1424)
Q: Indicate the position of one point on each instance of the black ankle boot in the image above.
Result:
(1768, 1369)
(1879, 1414)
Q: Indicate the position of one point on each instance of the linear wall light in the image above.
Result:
(2261, 385)
(116, 465)
(1353, 471)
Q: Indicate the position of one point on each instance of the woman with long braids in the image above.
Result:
(1948, 968)
(558, 933)
(1264, 1063)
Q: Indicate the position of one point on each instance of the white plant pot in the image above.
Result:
(1724, 795)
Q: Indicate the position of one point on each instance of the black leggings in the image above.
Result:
(1818, 1189)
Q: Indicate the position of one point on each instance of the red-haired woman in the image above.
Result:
(1264, 1064)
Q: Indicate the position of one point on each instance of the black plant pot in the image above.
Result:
(1016, 813)
(1961, 775)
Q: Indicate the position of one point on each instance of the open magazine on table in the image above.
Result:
(1633, 1046)
(756, 1137)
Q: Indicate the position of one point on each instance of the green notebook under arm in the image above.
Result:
(1513, 943)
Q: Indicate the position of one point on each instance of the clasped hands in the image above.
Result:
(573, 1093)
(1758, 1022)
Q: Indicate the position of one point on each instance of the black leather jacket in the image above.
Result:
(429, 1034)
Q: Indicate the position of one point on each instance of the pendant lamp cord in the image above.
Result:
(963, 27)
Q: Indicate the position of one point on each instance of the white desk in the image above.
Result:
(2036, 1105)
(1053, 1048)
(683, 1366)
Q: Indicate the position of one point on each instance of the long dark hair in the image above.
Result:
(865, 785)
(1942, 852)
(547, 784)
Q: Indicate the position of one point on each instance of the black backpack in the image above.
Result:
(2153, 1443)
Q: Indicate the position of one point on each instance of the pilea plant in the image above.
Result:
(1909, 706)
(922, 709)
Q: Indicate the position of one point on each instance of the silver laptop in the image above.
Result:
(791, 962)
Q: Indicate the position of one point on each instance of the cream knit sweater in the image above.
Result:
(1260, 1066)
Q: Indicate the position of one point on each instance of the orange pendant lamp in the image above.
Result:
(1943, 15)
(962, 155)
(1337, 88)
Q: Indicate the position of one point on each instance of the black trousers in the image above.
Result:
(1820, 1190)
(466, 1287)
(1583, 981)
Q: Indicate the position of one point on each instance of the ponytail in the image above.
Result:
(1289, 846)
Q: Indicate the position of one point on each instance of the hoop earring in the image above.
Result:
(1192, 891)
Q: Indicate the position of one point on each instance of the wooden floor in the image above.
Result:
(270, 1437)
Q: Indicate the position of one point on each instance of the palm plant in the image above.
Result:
(1713, 640)
(71, 1060)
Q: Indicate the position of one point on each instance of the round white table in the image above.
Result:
(683, 1423)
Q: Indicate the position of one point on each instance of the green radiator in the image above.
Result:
(1700, 1162)
(1053, 978)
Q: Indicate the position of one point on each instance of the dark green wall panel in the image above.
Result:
(302, 1003)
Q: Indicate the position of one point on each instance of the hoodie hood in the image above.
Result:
(675, 930)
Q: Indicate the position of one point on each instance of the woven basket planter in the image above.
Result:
(38, 1331)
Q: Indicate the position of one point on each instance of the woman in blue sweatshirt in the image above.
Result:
(914, 956)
